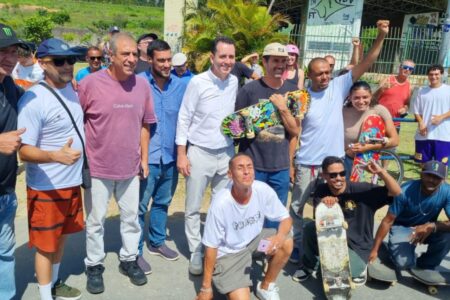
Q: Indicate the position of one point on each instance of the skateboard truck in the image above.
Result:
(249, 132)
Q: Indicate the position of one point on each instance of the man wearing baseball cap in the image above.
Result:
(271, 169)
(412, 219)
(9, 143)
(180, 69)
(143, 42)
(52, 147)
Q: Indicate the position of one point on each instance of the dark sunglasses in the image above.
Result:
(60, 61)
(92, 58)
(334, 175)
(408, 68)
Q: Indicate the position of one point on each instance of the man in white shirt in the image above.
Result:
(234, 230)
(323, 127)
(209, 98)
(432, 112)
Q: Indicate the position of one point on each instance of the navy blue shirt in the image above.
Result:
(167, 103)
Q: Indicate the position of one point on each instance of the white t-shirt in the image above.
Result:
(31, 73)
(430, 102)
(323, 125)
(230, 226)
(48, 127)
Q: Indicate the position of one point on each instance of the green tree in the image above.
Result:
(247, 22)
(38, 28)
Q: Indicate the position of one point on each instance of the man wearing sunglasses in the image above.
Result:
(52, 149)
(94, 58)
(359, 202)
(395, 91)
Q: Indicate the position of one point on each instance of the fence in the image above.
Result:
(419, 43)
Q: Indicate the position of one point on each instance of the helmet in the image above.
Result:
(292, 49)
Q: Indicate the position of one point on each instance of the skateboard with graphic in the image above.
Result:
(373, 130)
(382, 269)
(251, 120)
(331, 231)
(431, 278)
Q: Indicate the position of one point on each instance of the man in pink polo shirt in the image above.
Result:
(118, 109)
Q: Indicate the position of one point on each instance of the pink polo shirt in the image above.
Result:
(114, 112)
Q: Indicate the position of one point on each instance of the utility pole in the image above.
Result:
(445, 44)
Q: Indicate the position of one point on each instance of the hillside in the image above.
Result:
(89, 21)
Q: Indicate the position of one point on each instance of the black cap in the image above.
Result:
(147, 35)
(8, 37)
(113, 29)
(436, 168)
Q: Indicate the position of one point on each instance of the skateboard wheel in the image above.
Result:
(432, 290)
(393, 283)
(250, 135)
(344, 225)
(326, 288)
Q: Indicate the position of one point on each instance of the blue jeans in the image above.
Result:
(8, 207)
(402, 252)
(279, 181)
(160, 185)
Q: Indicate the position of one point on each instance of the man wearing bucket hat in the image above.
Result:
(9, 143)
(412, 219)
(52, 147)
(271, 169)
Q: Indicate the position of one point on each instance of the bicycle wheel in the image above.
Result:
(392, 163)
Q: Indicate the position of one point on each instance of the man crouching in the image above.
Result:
(234, 231)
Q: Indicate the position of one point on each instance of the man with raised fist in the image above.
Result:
(52, 147)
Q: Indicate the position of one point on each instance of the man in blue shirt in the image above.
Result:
(168, 91)
(94, 58)
(412, 219)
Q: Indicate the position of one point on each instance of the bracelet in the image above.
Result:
(206, 290)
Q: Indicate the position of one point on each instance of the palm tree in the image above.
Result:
(247, 22)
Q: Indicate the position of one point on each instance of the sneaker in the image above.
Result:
(270, 294)
(164, 251)
(196, 264)
(144, 265)
(133, 271)
(94, 276)
(61, 291)
(361, 279)
(301, 274)
(295, 256)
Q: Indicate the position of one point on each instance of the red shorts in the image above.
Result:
(52, 214)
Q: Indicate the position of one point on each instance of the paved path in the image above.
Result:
(170, 280)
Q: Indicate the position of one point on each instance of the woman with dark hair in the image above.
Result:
(293, 73)
(360, 105)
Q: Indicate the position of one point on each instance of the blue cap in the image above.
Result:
(56, 47)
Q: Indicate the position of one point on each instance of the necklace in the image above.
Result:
(420, 206)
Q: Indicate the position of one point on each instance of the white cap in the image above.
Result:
(179, 59)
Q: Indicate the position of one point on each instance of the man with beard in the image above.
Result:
(118, 108)
(412, 219)
(209, 98)
(160, 185)
(9, 143)
(270, 149)
(359, 202)
(52, 148)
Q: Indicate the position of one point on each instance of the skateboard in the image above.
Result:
(372, 131)
(333, 252)
(251, 120)
(383, 269)
(431, 278)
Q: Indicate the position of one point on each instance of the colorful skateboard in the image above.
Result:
(372, 131)
(383, 269)
(431, 278)
(333, 252)
(250, 121)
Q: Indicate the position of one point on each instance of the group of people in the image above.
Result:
(129, 136)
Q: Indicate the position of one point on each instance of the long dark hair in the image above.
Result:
(358, 85)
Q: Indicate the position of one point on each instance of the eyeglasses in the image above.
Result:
(409, 68)
(60, 61)
(335, 175)
(94, 58)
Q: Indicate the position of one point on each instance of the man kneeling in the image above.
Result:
(234, 231)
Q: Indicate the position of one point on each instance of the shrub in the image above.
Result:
(38, 28)
(60, 17)
(69, 36)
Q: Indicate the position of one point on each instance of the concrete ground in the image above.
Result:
(170, 280)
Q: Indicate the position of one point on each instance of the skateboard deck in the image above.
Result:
(333, 252)
(372, 130)
(251, 120)
(431, 278)
(383, 269)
